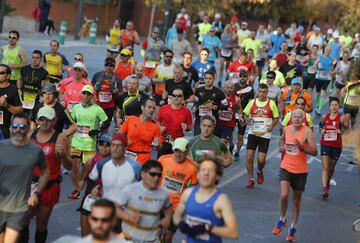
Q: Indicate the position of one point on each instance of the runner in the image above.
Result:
(14, 56)
(209, 100)
(242, 64)
(341, 71)
(33, 78)
(212, 43)
(228, 43)
(332, 126)
(252, 43)
(78, 57)
(179, 46)
(290, 94)
(291, 69)
(279, 77)
(218, 24)
(179, 173)
(196, 221)
(296, 143)
(322, 80)
(87, 116)
(145, 85)
(18, 196)
(107, 86)
(103, 151)
(311, 69)
(190, 74)
(208, 143)
(171, 33)
(56, 150)
(49, 95)
(124, 67)
(243, 32)
(129, 36)
(300, 104)
(274, 91)
(113, 39)
(142, 131)
(275, 42)
(203, 65)
(352, 96)
(262, 115)
(204, 28)
(174, 120)
(9, 100)
(152, 49)
(55, 62)
(70, 88)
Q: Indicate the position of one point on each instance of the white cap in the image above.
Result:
(80, 65)
(217, 16)
(330, 31)
(336, 34)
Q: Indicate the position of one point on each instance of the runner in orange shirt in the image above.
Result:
(289, 96)
(141, 132)
(179, 173)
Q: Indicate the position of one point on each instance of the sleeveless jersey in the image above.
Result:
(227, 117)
(262, 118)
(324, 68)
(202, 213)
(352, 96)
(11, 56)
(331, 137)
(122, 71)
(54, 163)
(127, 38)
(114, 38)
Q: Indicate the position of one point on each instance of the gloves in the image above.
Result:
(192, 230)
(94, 132)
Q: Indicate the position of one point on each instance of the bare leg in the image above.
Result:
(296, 206)
(284, 195)
(85, 226)
(325, 170)
(261, 161)
(75, 173)
(11, 236)
(250, 163)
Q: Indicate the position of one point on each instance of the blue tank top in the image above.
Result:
(324, 68)
(198, 213)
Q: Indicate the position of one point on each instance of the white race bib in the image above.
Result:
(105, 97)
(150, 64)
(88, 202)
(1, 117)
(204, 110)
(353, 98)
(324, 75)
(226, 53)
(192, 220)
(226, 115)
(330, 135)
(83, 131)
(291, 149)
(312, 69)
(131, 155)
(172, 185)
(28, 105)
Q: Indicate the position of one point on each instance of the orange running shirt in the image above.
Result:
(293, 97)
(71, 91)
(176, 177)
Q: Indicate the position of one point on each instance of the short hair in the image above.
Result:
(149, 98)
(109, 59)
(317, 46)
(271, 73)
(21, 115)
(38, 52)
(208, 117)
(105, 203)
(179, 31)
(205, 49)
(187, 53)
(168, 50)
(212, 73)
(133, 76)
(333, 98)
(218, 162)
(250, 49)
(151, 164)
(263, 86)
(300, 98)
(178, 88)
(178, 67)
(298, 111)
(80, 54)
(57, 43)
(8, 69)
(15, 32)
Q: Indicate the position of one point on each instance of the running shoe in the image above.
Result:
(74, 195)
(236, 156)
(325, 192)
(250, 184)
(66, 172)
(260, 177)
(279, 227)
(291, 234)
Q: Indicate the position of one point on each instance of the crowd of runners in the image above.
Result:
(146, 141)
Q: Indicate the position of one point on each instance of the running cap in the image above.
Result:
(156, 30)
(118, 137)
(47, 112)
(330, 31)
(104, 137)
(296, 81)
(234, 19)
(79, 65)
(217, 16)
(110, 61)
(336, 34)
(244, 23)
(125, 52)
(49, 88)
(87, 88)
(317, 29)
(292, 53)
(180, 144)
(212, 29)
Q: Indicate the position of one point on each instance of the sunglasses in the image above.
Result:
(20, 126)
(177, 95)
(123, 55)
(3, 72)
(43, 119)
(102, 220)
(153, 174)
(12, 37)
(270, 77)
(86, 93)
(77, 69)
(300, 103)
(243, 76)
(78, 59)
(102, 143)
(109, 65)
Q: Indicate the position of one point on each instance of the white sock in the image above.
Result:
(292, 226)
(282, 218)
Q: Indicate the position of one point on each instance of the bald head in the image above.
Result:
(297, 117)
(139, 70)
(229, 88)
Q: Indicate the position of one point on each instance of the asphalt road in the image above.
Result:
(257, 210)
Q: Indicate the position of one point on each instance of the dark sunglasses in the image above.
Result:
(86, 93)
(109, 65)
(123, 55)
(20, 126)
(3, 72)
(177, 95)
(153, 174)
(77, 69)
(102, 220)
(102, 143)
(270, 77)
(300, 103)
(12, 37)
(242, 75)
(43, 119)
(78, 59)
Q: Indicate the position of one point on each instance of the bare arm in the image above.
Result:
(311, 148)
(180, 210)
(165, 222)
(23, 58)
(62, 151)
(136, 38)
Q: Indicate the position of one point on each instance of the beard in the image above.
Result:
(101, 234)
(17, 136)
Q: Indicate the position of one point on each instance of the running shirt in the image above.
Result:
(141, 135)
(290, 72)
(308, 121)
(11, 56)
(104, 86)
(170, 85)
(213, 146)
(352, 96)
(176, 177)
(12, 98)
(245, 94)
(190, 75)
(204, 29)
(202, 213)
(87, 119)
(331, 137)
(274, 92)
(171, 119)
(324, 68)
(262, 114)
(342, 71)
(71, 91)
(289, 98)
(311, 68)
(114, 38)
(226, 41)
(279, 78)
(130, 104)
(242, 35)
(202, 68)
(236, 67)
(162, 73)
(294, 160)
(227, 117)
(127, 37)
(149, 203)
(211, 43)
(54, 64)
(122, 71)
(255, 45)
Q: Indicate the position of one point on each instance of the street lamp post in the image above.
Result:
(2, 14)
(79, 20)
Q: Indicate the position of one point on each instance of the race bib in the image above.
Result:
(312, 69)
(324, 75)
(353, 98)
(150, 64)
(71, 105)
(83, 131)
(226, 115)
(226, 53)
(259, 126)
(204, 110)
(330, 135)
(131, 155)
(172, 185)
(88, 202)
(291, 149)
(1, 117)
(105, 97)
(200, 153)
(34, 187)
(28, 105)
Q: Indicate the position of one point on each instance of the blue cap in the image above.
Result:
(104, 137)
(296, 81)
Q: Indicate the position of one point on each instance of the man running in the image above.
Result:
(151, 50)
(16, 169)
(55, 62)
(262, 115)
(300, 104)
(190, 74)
(204, 213)
(290, 94)
(296, 143)
(203, 65)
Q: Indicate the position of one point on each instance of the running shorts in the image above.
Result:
(297, 181)
(254, 142)
(333, 152)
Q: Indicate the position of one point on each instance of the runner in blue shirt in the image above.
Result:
(203, 65)
(213, 43)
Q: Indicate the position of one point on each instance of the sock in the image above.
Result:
(292, 226)
(321, 102)
(24, 235)
(316, 101)
(282, 218)
(40, 237)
